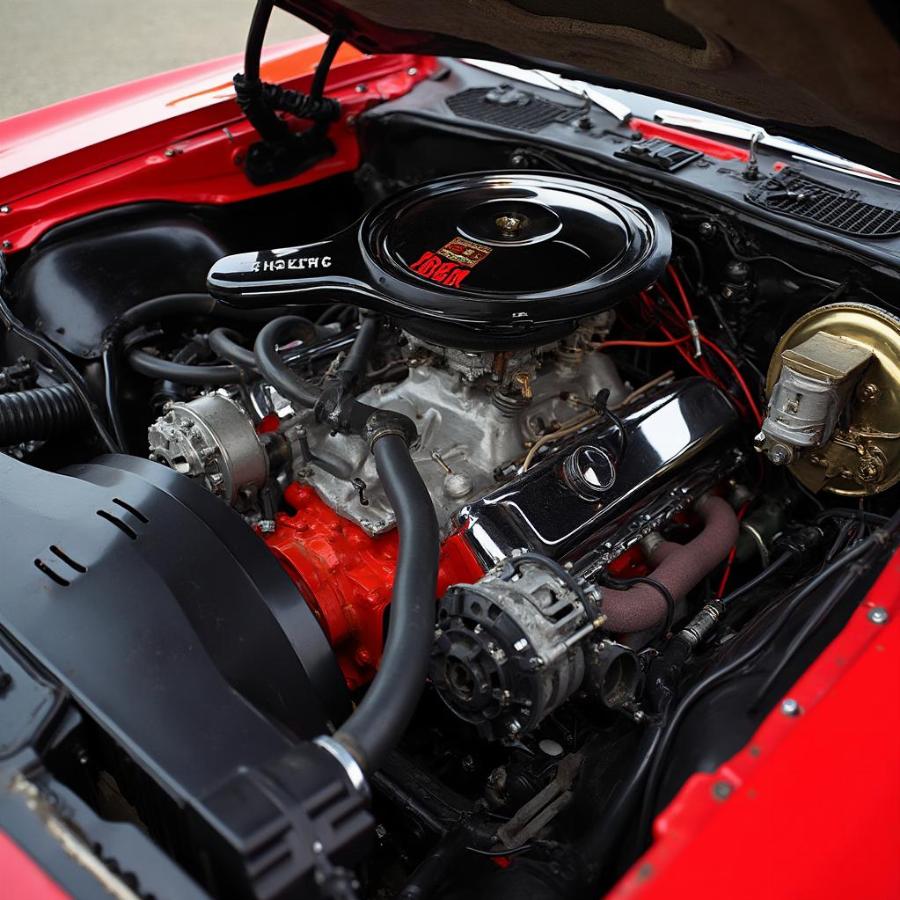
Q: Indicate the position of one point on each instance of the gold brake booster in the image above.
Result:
(833, 388)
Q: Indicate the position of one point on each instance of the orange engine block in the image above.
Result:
(346, 576)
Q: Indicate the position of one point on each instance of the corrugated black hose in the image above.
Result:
(60, 364)
(260, 101)
(39, 414)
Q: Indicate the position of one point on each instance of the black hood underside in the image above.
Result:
(826, 72)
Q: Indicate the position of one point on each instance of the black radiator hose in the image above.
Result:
(39, 413)
(376, 725)
(379, 721)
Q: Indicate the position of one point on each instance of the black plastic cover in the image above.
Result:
(171, 626)
(83, 276)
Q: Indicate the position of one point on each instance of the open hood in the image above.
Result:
(826, 72)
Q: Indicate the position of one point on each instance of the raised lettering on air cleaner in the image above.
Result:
(297, 263)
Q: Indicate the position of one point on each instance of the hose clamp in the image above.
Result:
(350, 766)
(384, 422)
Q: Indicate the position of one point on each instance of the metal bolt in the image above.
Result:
(458, 485)
(869, 392)
(869, 470)
(707, 229)
(169, 153)
(6, 245)
(790, 707)
(551, 748)
(779, 455)
(5, 209)
(267, 526)
(412, 71)
(361, 88)
(722, 790)
(878, 615)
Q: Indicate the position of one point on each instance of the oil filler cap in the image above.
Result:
(589, 471)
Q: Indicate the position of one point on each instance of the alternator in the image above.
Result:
(511, 648)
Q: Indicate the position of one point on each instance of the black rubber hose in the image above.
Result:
(166, 370)
(61, 365)
(39, 414)
(248, 87)
(381, 718)
(174, 305)
(274, 369)
(224, 342)
(162, 308)
(317, 89)
(357, 358)
(111, 396)
(759, 578)
(255, 37)
(379, 721)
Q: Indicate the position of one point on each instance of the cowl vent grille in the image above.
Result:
(509, 108)
(801, 197)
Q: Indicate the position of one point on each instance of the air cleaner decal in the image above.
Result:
(465, 252)
(452, 263)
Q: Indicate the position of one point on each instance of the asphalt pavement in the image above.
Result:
(56, 49)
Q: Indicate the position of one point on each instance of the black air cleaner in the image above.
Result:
(486, 260)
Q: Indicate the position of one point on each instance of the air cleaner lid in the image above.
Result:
(509, 236)
(472, 258)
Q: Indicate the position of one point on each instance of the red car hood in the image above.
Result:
(826, 72)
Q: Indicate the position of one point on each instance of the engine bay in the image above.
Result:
(637, 443)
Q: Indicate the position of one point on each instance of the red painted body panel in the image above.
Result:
(347, 576)
(177, 136)
(814, 808)
(708, 146)
(814, 802)
(22, 877)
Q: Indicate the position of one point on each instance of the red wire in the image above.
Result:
(649, 307)
(681, 291)
(730, 562)
(701, 366)
(670, 343)
(737, 374)
(679, 316)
